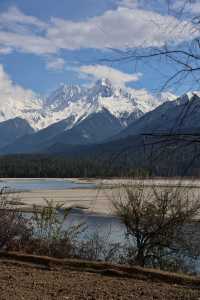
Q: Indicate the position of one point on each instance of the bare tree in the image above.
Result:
(153, 218)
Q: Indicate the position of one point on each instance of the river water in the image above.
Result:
(42, 184)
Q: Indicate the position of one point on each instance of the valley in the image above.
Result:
(99, 149)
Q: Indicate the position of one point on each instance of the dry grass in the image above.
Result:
(104, 268)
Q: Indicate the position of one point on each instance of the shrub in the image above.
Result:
(155, 219)
(14, 227)
(51, 236)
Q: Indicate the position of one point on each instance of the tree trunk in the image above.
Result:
(140, 259)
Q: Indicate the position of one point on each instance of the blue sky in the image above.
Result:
(46, 42)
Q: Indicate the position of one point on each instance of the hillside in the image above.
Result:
(21, 280)
(178, 116)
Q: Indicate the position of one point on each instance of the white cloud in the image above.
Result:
(5, 50)
(11, 93)
(127, 26)
(117, 77)
(15, 16)
(120, 28)
(55, 63)
(24, 33)
(27, 43)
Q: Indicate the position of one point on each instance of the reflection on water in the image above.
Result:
(106, 226)
(42, 184)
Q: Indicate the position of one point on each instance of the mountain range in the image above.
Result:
(74, 103)
(101, 113)
(70, 114)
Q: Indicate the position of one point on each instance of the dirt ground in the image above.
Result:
(24, 281)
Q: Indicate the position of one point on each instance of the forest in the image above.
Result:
(32, 166)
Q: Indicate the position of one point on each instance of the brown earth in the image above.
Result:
(28, 281)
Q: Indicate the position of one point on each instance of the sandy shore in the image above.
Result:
(94, 200)
(99, 199)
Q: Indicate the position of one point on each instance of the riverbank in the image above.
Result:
(31, 277)
(97, 195)
(92, 200)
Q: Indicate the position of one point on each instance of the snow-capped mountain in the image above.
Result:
(77, 102)
(94, 117)
(180, 115)
(74, 115)
(31, 110)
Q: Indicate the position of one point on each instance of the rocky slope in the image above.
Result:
(178, 116)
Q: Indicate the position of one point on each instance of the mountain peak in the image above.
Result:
(188, 97)
(103, 87)
(63, 94)
(104, 82)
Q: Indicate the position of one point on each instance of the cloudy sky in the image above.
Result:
(46, 42)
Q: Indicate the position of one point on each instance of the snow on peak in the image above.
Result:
(103, 87)
(77, 102)
(62, 95)
(104, 82)
(187, 97)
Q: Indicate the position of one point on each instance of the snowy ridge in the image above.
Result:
(76, 103)
(180, 115)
